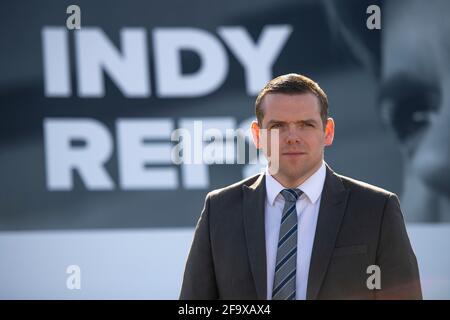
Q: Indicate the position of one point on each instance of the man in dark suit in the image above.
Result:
(299, 230)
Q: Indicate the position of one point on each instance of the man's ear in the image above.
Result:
(256, 133)
(329, 132)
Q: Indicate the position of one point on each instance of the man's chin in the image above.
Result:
(292, 174)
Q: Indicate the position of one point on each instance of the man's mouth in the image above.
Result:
(293, 153)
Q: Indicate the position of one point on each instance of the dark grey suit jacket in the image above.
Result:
(358, 225)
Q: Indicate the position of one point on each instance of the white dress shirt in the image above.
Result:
(307, 212)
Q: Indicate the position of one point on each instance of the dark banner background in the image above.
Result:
(329, 42)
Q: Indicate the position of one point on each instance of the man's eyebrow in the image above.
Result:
(275, 121)
(299, 121)
(308, 121)
(400, 84)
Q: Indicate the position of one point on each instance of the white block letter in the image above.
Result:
(257, 59)
(129, 70)
(135, 153)
(55, 51)
(168, 43)
(88, 160)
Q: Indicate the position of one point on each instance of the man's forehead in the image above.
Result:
(289, 95)
(280, 103)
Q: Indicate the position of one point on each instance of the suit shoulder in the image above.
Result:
(364, 187)
(234, 188)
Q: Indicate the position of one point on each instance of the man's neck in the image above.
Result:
(290, 183)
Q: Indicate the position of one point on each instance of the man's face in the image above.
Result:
(301, 135)
(416, 78)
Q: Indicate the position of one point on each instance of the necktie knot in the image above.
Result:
(291, 195)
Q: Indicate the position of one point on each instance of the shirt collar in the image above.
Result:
(311, 187)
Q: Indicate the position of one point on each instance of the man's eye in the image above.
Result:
(410, 113)
(277, 125)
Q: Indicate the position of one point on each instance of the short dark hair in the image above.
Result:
(292, 83)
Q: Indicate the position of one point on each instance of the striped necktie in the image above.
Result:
(284, 283)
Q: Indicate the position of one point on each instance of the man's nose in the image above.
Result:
(293, 135)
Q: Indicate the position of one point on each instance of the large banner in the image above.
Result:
(123, 115)
(89, 114)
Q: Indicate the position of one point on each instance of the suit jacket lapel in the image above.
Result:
(254, 225)
(332, 208)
